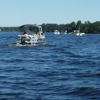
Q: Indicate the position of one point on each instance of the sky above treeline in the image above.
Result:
(19, 12)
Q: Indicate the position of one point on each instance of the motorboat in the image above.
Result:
(80, 34)
(56, 32)
(65, 32)
(38, 38)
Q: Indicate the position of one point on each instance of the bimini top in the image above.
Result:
(34, 25)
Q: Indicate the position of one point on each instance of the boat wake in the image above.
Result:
(31, 45)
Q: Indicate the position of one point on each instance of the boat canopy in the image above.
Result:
(34, 25)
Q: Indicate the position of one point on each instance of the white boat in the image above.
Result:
(31, 39)
(80, 34)
(65, 32)
(56, 32)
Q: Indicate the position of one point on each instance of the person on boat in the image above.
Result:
(36, 35)
(25, 33)
(42, 35)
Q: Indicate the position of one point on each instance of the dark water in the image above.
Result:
(68, 71)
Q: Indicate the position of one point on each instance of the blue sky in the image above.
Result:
(19, 12)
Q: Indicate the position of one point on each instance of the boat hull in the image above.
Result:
(30, 40)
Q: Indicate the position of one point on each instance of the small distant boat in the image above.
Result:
(31, 39)
(80, 34)
(56, 32)
(65, 32)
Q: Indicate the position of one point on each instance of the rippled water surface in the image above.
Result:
(68, 70)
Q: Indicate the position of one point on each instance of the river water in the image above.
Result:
(68, 70)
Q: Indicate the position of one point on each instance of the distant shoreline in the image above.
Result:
(86, 27)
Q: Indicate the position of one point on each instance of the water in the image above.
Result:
(70, 70)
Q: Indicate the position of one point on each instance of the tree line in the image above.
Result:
(86, 27)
